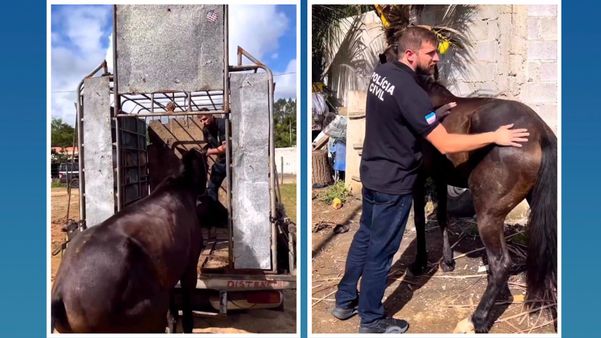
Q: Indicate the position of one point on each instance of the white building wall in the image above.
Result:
(287, 156)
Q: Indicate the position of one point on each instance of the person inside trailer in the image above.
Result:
(214, 135)
(213, 129)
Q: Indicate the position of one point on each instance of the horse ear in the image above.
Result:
(182, 151)
(195, 168)
(200, 169)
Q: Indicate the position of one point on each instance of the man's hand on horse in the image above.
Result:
(444, 110)
(505, 136)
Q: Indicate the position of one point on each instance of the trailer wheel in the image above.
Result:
(74, 183)
(460, 202)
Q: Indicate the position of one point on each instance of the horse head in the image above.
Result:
(194, 169)
(389, 54)
(439, 94)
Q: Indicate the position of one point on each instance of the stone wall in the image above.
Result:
(515, 50)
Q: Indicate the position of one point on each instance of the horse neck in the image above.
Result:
(439, 95)
(180, 184)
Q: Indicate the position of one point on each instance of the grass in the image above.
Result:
(288, 193)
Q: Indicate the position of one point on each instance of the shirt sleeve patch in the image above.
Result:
(431, 117)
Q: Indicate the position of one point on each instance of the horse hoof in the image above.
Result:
(417, 269)
(465, 326)
(447, 266)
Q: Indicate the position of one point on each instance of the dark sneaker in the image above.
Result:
(344, 313)
(385, 325)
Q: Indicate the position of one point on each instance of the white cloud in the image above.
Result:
(77, 49)
(109, 54)
(63, 106)
(84, 26)
(256, 29)
(285, 84)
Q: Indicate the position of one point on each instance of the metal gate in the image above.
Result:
(170, 66)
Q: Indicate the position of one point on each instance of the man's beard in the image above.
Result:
(431, 72)
(425, 70)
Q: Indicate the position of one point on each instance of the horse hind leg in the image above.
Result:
(188, 283)
(173, 313)
(499, 263)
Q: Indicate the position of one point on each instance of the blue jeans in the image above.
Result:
(216, 178)
(383, 221)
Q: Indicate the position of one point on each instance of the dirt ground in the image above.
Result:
(255, 321)
(432, 303)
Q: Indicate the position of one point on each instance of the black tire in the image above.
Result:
(460, 202)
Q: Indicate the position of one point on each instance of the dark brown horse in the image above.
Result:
(118, 276)
(499, 178)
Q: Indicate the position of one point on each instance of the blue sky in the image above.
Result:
(80, 41)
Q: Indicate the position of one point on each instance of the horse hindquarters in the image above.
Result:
(108, 290)
(499, 182)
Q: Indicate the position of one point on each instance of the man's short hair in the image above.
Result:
(412, 38)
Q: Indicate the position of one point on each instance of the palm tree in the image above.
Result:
(342, 57)
(451, 23)
(332, 27)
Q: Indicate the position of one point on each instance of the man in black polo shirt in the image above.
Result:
(398, 112)
(214, 135)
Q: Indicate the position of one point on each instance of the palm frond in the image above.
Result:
(451, 22)
(330, 26)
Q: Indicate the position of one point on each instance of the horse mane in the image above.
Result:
(389, 54)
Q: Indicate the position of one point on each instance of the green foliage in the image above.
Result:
(284, 119)
(61, 133)
(337, 190)
(327, 32)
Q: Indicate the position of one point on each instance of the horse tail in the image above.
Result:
(542, 228)
(58, 315)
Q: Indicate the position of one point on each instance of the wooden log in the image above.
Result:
(322, 170)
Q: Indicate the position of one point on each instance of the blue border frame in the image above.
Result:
(23, 197)
(581, 163)
(304, 322)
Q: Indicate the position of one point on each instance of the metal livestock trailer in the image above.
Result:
(170, 65)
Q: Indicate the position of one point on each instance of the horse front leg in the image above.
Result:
(419, 218)
(172, 314)
(448, 263)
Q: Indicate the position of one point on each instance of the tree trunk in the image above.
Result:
(322, 171)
